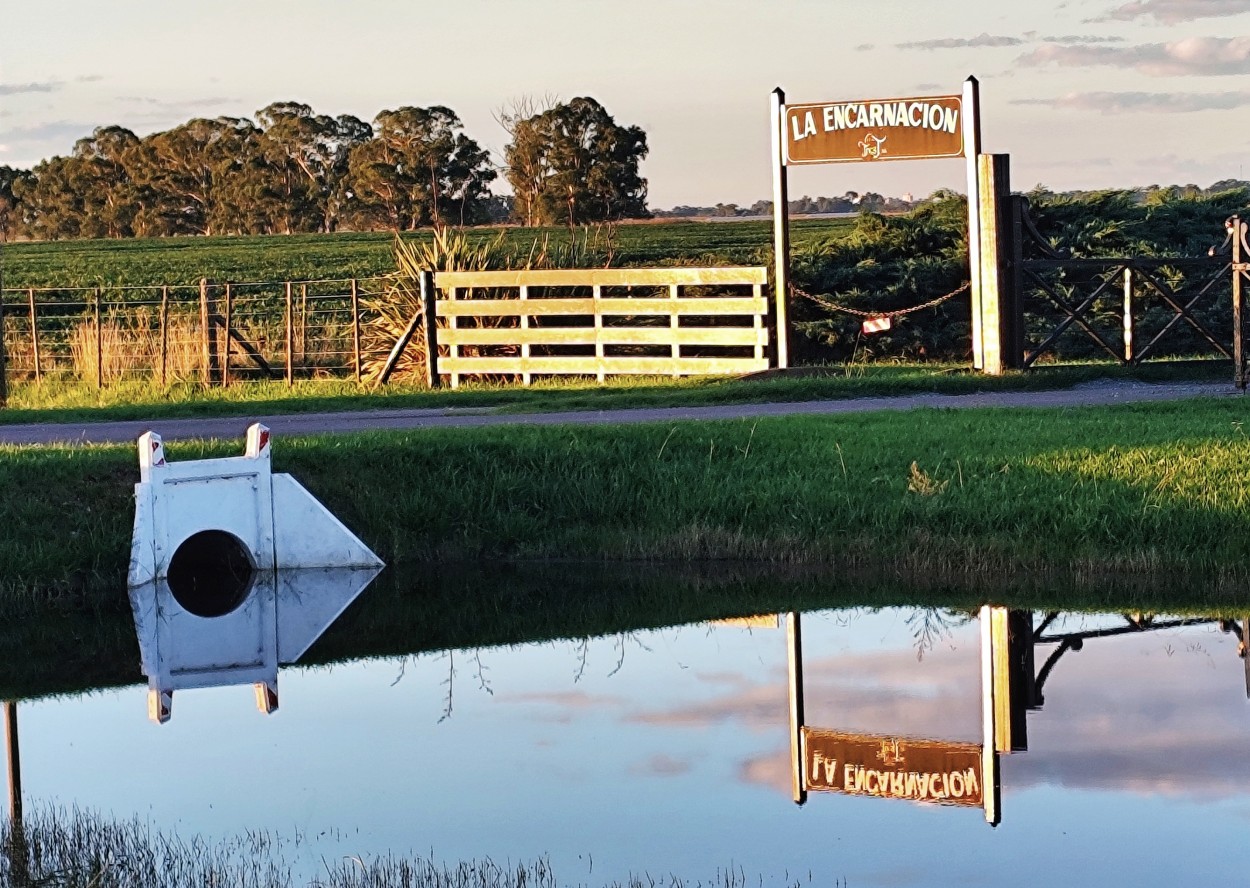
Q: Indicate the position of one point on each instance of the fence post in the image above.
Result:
(356, 327)
(290, 337)
(207, 345)
(4, 357)
(164, 333)
(1128, 314)
(1016, 344)
(303, 325)
(996, 351)
(225, 358)
(1239, 360)
(34, 336)
(429, 307)
(99, 341)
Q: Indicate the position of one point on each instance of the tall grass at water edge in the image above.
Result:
(79, 849)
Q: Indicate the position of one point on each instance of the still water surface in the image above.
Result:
(669, 751)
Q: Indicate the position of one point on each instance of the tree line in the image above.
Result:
(292, 170)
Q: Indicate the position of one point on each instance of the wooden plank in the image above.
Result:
(590, 366)
(599, 343)
(603, 277)
(450, 308)
(525, 325)
(454, 349)
(674, 295)
(761, 343)
(748, 337)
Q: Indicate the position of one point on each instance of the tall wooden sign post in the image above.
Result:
(869, 131)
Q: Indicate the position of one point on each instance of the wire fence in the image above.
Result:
(212, 332)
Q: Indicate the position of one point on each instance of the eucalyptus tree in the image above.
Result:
(418, 169)
(305, 156)
(573, 164)
(51, 199)
(204, 177)
(13, 217)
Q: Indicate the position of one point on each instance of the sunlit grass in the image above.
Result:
(1137, 488)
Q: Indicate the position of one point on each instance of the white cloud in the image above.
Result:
(1198, 56)
(1171, 12)
(981, 40)
(17, 89)
(1155, 103)
(1080, 40)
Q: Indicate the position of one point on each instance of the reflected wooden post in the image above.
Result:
(989, 754)
(794, 651)
(1245, 658)
(14, 763)
(16, 851)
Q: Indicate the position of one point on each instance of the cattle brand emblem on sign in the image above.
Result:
(839, 132)
(871, 146)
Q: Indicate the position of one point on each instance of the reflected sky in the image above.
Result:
(668, 751)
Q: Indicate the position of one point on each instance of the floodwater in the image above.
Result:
(671, 752)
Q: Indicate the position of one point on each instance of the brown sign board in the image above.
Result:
(893, 767)
(874, 129)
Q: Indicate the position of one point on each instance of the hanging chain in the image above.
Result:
(823, 300)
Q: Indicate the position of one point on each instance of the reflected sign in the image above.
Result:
(874, 129)
(893, 767)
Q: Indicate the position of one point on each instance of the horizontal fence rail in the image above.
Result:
(597, 323)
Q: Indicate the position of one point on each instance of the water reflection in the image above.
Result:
(897, 766)
(271, 623)
(1137, 736)
(901, 767)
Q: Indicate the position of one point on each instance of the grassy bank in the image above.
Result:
(1133, 488)
(68, 400)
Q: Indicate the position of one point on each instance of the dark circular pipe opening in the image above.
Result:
(211, 573)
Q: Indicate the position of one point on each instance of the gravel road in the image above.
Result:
(1088, 394)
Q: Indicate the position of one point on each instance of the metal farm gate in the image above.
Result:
(1130, 308)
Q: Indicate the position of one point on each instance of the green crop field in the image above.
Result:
(184, 260)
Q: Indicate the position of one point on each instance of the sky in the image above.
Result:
(1081, 94)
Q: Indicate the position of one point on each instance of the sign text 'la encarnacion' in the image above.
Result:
(878, 129)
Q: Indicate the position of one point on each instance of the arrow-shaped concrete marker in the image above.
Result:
(233, 571)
